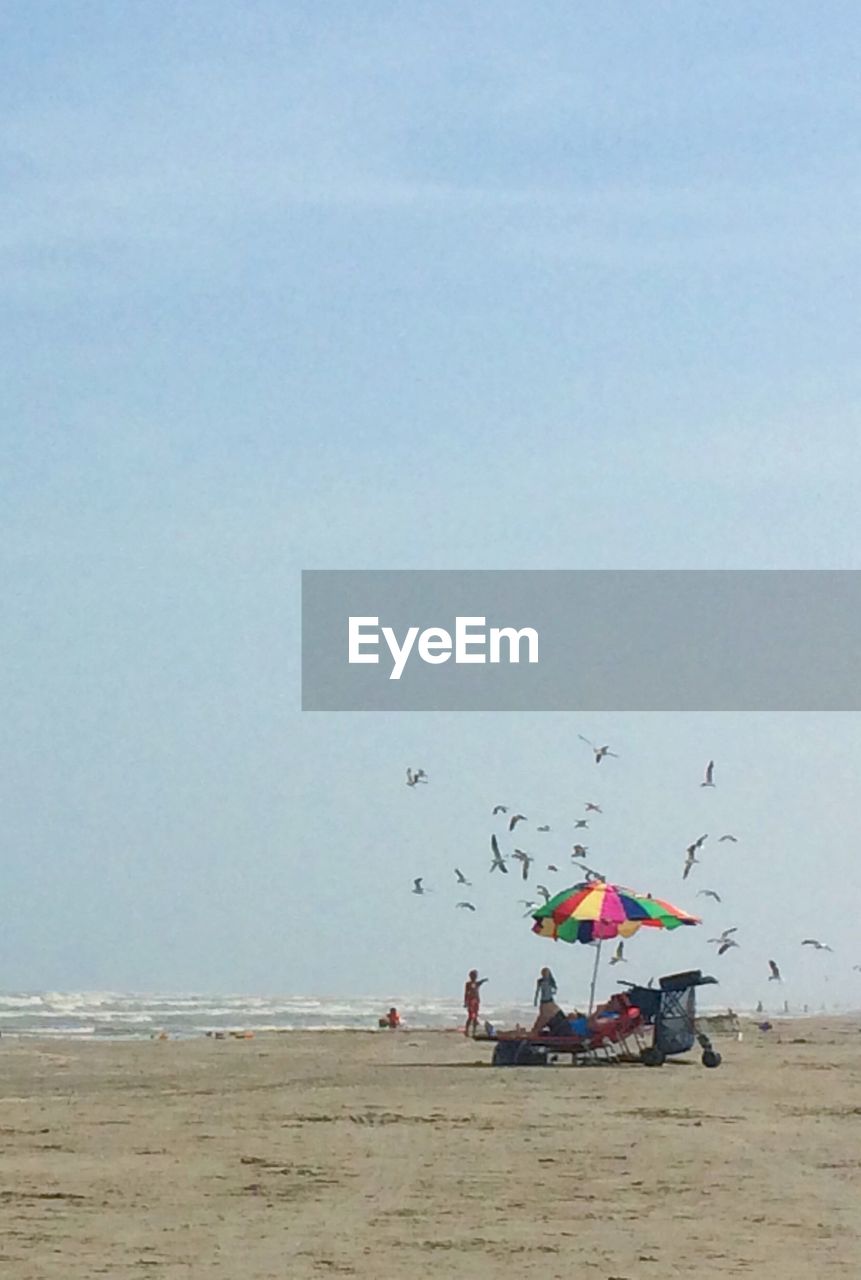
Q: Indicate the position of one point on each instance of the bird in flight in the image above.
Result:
(530, 907)
(726, 934)
(598, 752)
(733, 839)
(725, 941)
(552, 866)
(500, 808)
(708, 893)
(467, 905)
(542, 828)
(544, 891)
(691, 851)
(774, 976)
(498, 863)
(579, 850)
(418, 887)
(816, 944)
(618, 956)
(708, 780)
(415, 776)
(515, 818)
(525, 860)
(856, 968)
(461, 878)
(593, 808)
(580, 823)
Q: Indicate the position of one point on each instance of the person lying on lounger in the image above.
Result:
(574, 1026)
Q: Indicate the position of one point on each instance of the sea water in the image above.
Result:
(115, 1015)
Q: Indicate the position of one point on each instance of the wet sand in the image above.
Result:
(402, 1154)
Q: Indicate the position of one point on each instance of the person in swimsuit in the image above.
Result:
(545, 1000)
(472, 1001)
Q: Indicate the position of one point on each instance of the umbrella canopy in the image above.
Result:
(596, 911)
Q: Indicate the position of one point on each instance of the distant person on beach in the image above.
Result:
(392, 1020)
(472, 1001)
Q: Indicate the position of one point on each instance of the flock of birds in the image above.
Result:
(500, 862)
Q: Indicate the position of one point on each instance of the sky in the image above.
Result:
(286, 286)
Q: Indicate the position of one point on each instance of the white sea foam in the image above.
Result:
(107, 1015)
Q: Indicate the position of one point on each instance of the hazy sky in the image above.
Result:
(395, 286)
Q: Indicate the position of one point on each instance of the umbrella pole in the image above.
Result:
(594, 979)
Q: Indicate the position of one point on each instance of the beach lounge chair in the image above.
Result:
(643, 1024)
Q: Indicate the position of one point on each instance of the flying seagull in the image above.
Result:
(725, 941)
(598, 752)
(417, 886)
(461, 878)
(708, 893)
(467, 905)
(708, 780)
(774, 976)
(542, 828)
(530, 907)
(618, 956)
(500, 808)
(498, 863)
(691, 851)
(856, 968)
(515, 818)
(580, 823)
(544, 891)
(727, 837)
(816, 944)
(552, 866)
(726, 934)
(593, 808)
(524, 859)
(579, 850)
(415, 776)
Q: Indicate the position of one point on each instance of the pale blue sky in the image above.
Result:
(396, 286)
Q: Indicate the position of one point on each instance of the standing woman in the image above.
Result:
(545, 1000)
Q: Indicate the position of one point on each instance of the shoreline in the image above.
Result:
(721, 1023)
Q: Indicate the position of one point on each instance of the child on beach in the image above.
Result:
(472, 1001)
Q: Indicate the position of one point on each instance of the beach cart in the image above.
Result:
(671, 1012)
(643, 1025)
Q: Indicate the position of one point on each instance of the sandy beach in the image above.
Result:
(403, 1154)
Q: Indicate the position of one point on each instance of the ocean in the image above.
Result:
(114, 1015)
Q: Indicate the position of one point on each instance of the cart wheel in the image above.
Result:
(652, 1057)
(711, 1058)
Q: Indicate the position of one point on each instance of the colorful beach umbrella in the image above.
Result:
(596, 911)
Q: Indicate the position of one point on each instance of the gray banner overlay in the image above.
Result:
(723, 640)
